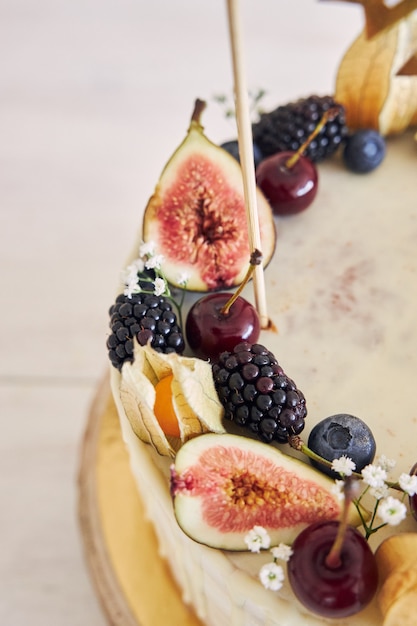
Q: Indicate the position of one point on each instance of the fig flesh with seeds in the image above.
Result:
(197, 217)
(224, 485)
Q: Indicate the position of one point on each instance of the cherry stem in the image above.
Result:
(255, 259)
(333, 559)
(328, 115)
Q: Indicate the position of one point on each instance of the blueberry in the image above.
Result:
(364, 151)
(232, 147)
(340, 435)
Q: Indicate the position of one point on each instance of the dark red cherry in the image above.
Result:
(289, 189)
(333, 592)
(413, 499)
(209, 331)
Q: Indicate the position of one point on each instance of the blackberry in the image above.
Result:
(147, 317)
(288, 126)
(257, 394)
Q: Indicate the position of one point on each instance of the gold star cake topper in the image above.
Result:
(410, 67)
(379, 16)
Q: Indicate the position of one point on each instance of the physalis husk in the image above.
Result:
(372, 83)
(194, 400)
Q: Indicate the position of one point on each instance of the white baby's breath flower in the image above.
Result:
(147, 249)
(136, 266)
(392, 511)
(374, 475)
(159, 286)
(379, 492)
(128, 274)
(183, 279)
(129, 277)
(131, 287)
(282, 551)
(337, 489)
(408, 484)
(154, 262)
(386, 463)
(257, 538)
(343, 465)
(271, 576)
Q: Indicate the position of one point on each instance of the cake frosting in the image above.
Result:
(342, 295)
(342, 301)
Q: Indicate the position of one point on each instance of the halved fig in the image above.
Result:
(224, 485)
(197, 217)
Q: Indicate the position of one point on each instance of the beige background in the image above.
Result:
(94, 97)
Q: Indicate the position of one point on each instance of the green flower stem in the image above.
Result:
(395, 486)
(374, 514)
(374, 530)
(358, 500)
(312, 455)
(181, 302)
(178, 306)
(167, 293)
(368, 528)
(298, 444)
(145, 279)
(358, 508)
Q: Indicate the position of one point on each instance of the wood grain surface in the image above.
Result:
(133, 583)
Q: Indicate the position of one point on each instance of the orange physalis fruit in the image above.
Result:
(164, 408)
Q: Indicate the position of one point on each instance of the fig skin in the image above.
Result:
(197, 217)
(224, 485)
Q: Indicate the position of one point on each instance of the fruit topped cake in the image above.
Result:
(276, 460)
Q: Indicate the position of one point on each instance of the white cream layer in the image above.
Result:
(342, 291)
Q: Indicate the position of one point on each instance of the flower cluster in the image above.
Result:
(388, 509)
(271, 574)
(227, 102)
(372, 480)
(140, 273)
(145, 274)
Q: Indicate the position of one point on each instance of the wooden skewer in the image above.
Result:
(246, 153)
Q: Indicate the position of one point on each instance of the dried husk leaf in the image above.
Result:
(381, 14)
(137, 393)
(195, 401)
(194, 379)
(367, 83)
(194, 397)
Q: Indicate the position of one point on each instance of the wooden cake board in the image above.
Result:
(133, 583)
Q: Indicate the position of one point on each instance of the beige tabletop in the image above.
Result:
(94, 97)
